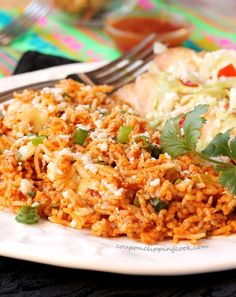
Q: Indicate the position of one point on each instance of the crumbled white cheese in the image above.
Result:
(102, 110)
(25, 186)
(102, 134)
(66, 194)
(83, 211)
(81, 107)
(51, 108)
(46, 158)
(27, 151)
(91, 167)
(83, 127)
(52, 171)
(113, 188)
(155, 182)
(86, 159)
(56, 92)
(97, 123)
(103, 146)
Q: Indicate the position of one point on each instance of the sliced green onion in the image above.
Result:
(102, 163)
(107, 113)
(158, 204)
(123, 134)
(30, 134)
(80, 136)
(123, 111)
(155, 152)
(178, 181)
(28, 215)
(67, 95)
(1, 114)
(32, 194)
(38, 139)
(136, 201)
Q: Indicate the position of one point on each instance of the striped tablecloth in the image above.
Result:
(52, 36)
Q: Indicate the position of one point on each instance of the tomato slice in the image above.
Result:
(227, 71)
(181, 122)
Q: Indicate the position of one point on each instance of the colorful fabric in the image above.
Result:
(52, 36)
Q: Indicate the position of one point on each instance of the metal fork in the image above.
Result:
(117, 73)
(32, 13)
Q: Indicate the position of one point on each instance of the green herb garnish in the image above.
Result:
(136, 201)
(158, 204)
(38, 140)
(154, 150)
(32, 194)
(123, 134)
(172, 140)
(28, 215)
(177, 144)
(178, 181)
(67, 95)
(80, 136)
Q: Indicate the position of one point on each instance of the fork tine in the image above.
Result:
(31, 14)
(129, 77)
(124, 57)
(15, 22)
(119, 73)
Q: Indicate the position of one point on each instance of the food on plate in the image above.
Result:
(180, 79)
(75, 155)
(76, 6)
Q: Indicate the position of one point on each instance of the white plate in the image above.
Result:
(57, 245)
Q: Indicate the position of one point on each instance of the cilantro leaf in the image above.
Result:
(228, 177)
(172, 142)
(219, 146)
(192, 125)
(233, 148)
(176, 144)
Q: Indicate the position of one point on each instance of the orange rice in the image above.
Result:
(94, 185)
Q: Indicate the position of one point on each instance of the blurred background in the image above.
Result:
(94, 30)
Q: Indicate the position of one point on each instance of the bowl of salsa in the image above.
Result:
(129, 29)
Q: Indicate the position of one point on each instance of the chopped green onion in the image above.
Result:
(136, 201)
(32, 194)
(107, 113)
(155, 152)
(28, 215)
(178, 181)
(123, 135)
(123, 111)
(80, 136)
(38, 139)
(30, 134)
(102, 163)
(67, 95)
(158, 204)
(1, 114)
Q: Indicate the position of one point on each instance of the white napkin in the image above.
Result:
(57, 72)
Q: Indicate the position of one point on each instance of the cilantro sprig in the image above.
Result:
(177, 141)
